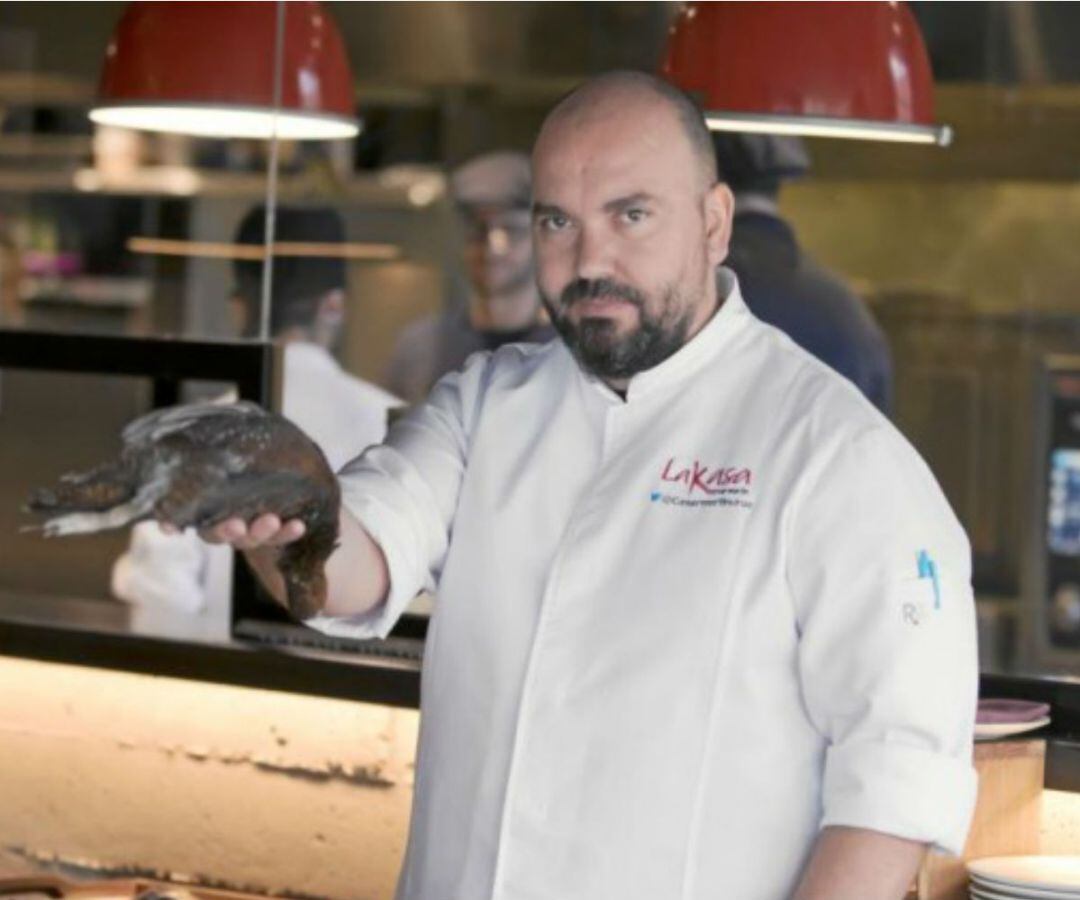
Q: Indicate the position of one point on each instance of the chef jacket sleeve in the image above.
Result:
(879, 570)
(404, 493)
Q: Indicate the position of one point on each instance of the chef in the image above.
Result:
(704, 626)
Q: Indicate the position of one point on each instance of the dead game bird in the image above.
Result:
(200, 464)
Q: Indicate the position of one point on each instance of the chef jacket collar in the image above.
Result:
(702, 347)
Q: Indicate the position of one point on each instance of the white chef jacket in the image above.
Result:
(674, 636)
(342, 414)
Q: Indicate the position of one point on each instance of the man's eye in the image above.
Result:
(635, 214)
(553, 222)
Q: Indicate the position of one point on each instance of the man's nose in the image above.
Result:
(595, 256)
(498, 241)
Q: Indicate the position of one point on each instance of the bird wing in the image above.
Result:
(286, 494)
(200, 417)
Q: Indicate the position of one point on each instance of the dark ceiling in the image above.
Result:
(476, 43)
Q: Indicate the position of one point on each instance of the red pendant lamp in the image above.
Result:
(851, 70)
(208, 69)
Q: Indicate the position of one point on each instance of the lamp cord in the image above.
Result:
(272, 177)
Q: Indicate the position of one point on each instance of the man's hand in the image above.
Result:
(260, 540)
(265, 531)
(357, 575)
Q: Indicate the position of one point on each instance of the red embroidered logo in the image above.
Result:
(696, 477)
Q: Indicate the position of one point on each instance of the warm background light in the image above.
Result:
(829, 128)
(224, 122)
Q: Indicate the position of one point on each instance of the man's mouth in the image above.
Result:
(608, 305)
(602, 300)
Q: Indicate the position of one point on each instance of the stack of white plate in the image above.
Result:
(1025, 878)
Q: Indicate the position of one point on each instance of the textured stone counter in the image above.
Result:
(120, 773)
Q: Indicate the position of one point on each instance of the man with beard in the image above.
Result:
(703, 625)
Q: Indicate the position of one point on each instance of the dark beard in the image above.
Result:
(595, 342)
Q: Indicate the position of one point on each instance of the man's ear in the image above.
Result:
(719, 209)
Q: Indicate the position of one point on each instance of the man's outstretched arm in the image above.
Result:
(408, 486)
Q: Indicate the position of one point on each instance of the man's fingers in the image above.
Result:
(228, 532)
(265, 531)
(262, 529)
(270, 531)
(290, 531)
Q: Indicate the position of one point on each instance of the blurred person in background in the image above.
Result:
(341, 413)
(492, 194)
(782, 284)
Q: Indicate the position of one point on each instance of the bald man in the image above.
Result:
(704, 627)
(492, 195)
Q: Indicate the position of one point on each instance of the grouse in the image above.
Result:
(197, 465)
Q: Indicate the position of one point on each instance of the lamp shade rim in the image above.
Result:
(827, 126)
(863, 62)
(132, 113)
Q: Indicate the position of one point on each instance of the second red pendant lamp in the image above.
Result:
(854, 70)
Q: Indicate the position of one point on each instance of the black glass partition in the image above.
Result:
(54, 597)
(63, 400)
